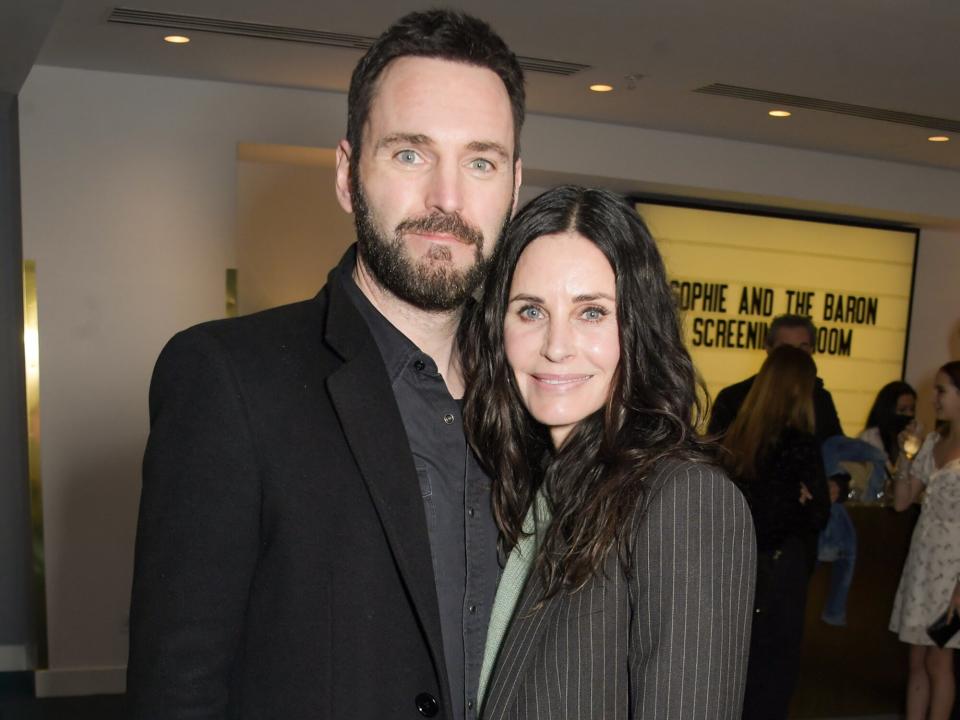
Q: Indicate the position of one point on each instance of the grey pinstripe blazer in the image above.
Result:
(670, 641)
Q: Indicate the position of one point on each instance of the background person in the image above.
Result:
(892, 410)
(627, 590)
(773, 453)
(797, 331)
(930, 583)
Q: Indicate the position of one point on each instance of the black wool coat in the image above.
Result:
(282, 560)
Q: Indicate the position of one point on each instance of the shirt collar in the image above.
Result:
(397, 350)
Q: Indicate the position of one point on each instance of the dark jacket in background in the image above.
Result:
(728, 401)
(786, 553)
(774, 495)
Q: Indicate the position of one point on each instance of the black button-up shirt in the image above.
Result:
(456, 500)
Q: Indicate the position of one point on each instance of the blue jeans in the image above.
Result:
(838, 545)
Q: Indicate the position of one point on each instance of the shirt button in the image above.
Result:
(469, 704)
(448, 418)
(419, 365)
(473, 609)
(471, 512)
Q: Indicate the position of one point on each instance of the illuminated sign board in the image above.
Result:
(733, 272)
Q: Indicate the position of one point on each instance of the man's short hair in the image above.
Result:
(791, 321)
(441, 34)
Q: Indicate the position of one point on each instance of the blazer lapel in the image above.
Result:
(374, 430)
(371, 422)
(521, 646)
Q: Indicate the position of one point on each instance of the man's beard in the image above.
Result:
(431, 283)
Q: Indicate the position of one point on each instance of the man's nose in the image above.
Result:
(445, 191)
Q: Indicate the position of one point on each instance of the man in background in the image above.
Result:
(796, 330)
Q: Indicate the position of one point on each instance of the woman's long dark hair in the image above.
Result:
(883, 415)
(595, 480)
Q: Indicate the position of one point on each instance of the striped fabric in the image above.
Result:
(668, 642)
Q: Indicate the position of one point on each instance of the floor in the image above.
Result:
(111, 707)
(94, 707)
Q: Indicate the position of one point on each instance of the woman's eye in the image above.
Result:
(530, 313)
(594, 314)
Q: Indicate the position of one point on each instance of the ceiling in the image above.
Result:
(891, 55)
(23, 26)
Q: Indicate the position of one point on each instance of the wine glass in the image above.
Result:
(911, 439)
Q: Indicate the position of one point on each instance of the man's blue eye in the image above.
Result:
(407, 156)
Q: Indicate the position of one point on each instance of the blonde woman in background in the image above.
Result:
(775, 456)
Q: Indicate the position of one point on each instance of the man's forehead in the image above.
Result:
(414, 92)
(795, 335)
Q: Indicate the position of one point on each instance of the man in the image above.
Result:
(315, 538)
(796, 330)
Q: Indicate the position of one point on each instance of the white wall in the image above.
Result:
(130, 207)
(935, 316)
(290, 228)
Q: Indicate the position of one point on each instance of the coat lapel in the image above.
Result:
(521, 646)
(371, 422)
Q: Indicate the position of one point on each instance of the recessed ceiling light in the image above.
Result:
(600, 87)
(177, 39)
(938, 138)
(779, 113)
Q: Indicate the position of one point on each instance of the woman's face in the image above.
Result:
(946, 398)
(560, 330)
(906, 405)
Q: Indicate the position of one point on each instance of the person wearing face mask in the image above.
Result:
(892, 411)
(630, 558)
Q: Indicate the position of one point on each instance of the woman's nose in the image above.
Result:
(559, 342)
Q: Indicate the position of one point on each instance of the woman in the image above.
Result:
(930, 584)
(627, 589)
(775, 455)
(893, 409)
